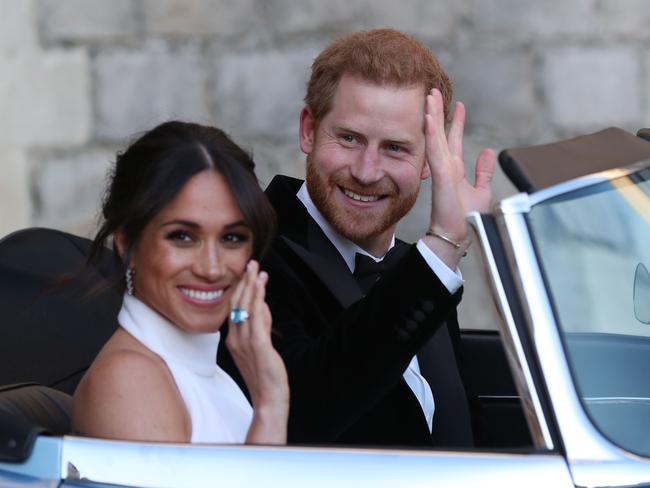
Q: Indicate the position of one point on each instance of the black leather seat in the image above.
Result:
(26, 411)
(50, 332)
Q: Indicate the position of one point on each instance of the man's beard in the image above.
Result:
(363, 225)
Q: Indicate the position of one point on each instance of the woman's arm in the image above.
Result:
(130, 395)
(260, 365)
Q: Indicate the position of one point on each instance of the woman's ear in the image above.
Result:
(119, 241)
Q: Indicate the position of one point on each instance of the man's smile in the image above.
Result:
(360, 197)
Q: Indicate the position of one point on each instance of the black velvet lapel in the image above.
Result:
(306, 239)
(451, 418)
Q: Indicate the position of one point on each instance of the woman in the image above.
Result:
(186, 215)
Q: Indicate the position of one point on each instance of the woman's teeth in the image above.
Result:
(202, 295)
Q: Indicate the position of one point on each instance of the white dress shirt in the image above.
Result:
(452, 280)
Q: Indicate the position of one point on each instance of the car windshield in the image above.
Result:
(594, 249)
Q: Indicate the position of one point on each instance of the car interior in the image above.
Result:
(56, 318)
(60, 320)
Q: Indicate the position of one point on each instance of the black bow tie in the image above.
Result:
(367, 271)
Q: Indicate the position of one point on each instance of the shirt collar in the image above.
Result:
(344, 246)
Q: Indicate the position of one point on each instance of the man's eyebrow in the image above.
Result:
(401, 142)
(345, 128)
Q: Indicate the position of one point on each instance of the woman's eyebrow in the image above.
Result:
(195, 225)
(186, 223)
(239, 223)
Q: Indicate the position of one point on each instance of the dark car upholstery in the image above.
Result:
(52, 330)
(27, 410)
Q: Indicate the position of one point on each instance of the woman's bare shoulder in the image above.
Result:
(128, 393)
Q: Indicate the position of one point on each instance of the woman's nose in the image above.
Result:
(208, 264)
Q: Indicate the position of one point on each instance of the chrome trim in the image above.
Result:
(515, 354)
(616, 400)
(586, 448)
(569, 186)
(517, 204)
(499, 397)
(176, 465)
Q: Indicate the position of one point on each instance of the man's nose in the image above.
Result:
(367, 168)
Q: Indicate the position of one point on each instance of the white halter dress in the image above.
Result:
(219, 411)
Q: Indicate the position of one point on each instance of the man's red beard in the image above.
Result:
(361, 225)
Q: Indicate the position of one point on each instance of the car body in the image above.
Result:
(565, 264)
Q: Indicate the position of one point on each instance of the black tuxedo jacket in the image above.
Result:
(345, 353)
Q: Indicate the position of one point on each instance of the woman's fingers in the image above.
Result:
(257, 308)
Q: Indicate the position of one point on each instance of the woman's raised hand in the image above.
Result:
(249, 342)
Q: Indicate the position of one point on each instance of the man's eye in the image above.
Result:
(348, 138)
(394, 148)
(179, 235)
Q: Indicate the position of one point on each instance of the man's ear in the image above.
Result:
(426, 171)
(307, 130)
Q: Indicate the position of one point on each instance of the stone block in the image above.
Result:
(289, 17)
(86, 20)
(137, 89)
(277, 157)
(590, 88)
(69, 188)
(425, 19)
(498, 89)
(533, 20)
(625, 18)
(17, 26)
(15, 203)
(44, 98)
(200, 17)
(260, 93)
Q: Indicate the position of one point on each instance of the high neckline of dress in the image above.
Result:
(197, 352)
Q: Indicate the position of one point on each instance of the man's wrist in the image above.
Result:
(459, 246)
(447, 249)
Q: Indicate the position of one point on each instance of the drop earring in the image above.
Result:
(129, 280)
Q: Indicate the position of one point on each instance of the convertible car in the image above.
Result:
(561, 387)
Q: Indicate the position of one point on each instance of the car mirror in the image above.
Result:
(641, 295)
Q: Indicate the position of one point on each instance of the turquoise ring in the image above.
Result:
(238, 315)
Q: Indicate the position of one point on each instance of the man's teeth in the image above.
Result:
(202, 295)
(360, 198)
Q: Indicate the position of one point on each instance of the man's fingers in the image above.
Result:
(485, 164)
(456, 131)
(436, 139)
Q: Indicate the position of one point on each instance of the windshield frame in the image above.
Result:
(581, 439)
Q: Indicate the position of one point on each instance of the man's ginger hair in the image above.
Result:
(380, 56)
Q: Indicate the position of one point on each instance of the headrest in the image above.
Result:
(52, 330)
(534, 168)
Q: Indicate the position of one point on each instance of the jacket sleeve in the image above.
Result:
(341, 363)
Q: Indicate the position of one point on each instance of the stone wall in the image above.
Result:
(79, 77)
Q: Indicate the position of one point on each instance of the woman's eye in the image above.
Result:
(179, 235)
(235, 238)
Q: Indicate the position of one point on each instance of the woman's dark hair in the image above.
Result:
(155, 167)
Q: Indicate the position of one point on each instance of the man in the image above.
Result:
(371, 360)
